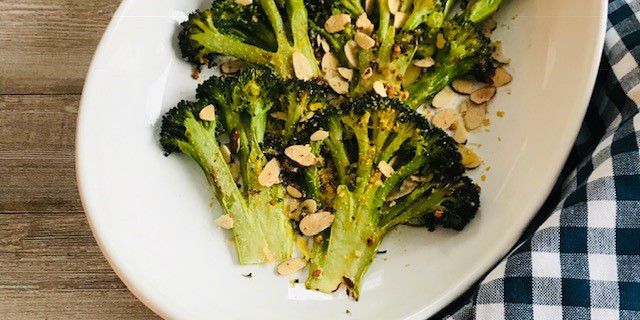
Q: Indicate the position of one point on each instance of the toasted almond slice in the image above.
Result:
(364, 41)
(301, 66)
(406, 188)
(427, 62)
(501, 77)
(232, 66)
(460, 134)
(315, 223)
(444, 119)
(351, 52)
(315, 106)
(325, 45)
(379, 88)
(319, 135)
(345, 73)
(294, 192)
(368, 72)
(463, 86)
(440, 41)
(244, 2)
(338, 85)
(309, 206)
(291, 266)
(498, 54)
(399, 19)
(329, 64)
(464, 106)
(226, 153)
(394, 6)
(364, 24)
(483, 95)
(474, 116)
(385, 168)
(270, 174)
(470, 158)
(208, 113)
(301, 154)
(307, 116)
(224, 222)
(443, 98)
(337, 22)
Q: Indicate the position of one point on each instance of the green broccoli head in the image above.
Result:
(182, 124)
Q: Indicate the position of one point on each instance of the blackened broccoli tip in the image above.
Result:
(193, 51)
(460, 205)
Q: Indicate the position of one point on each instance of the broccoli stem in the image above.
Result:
(483, 9)
(216, 42)
(347, 254)
(414, 209)
(423, 89)
(300, 31)
(248, 234)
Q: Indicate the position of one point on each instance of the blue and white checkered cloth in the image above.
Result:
(582, 258)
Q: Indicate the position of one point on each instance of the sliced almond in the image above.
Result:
(351, 52)
(231, 66)
(291, 266)
(208, 113)
(470, 158)
(379, 88)
(364, 41)
(385, 168)
(307, 116)
(463, 86)
(315, 223)
(226, 153)
(337, 22)
(443, 98)
(329, 63)
(316, 106)
(399, 19)
(301, 66)
(319, 135)
(270, 174)
(224, 222)
(364, 24)
(367, 73)
(325, 45)
(501, 77)
(427, 62)
(444, 119)
(460, 134)
(498, 54)
(309, 206)
(483, 95)
(406, 188)
(474, 116)
(394, 6)
(301, 154)
(345, 73)
(244, 2)
(294, 192)
(338, 85)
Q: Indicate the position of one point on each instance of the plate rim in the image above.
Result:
(426, 311)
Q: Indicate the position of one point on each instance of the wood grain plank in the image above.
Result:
(46, 46)
(51, 268)
(37, 154)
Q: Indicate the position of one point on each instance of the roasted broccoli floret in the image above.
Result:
(410, 52)
(261, 226)
(390, 168)
(255, 33)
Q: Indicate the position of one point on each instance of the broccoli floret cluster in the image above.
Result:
(318, 135)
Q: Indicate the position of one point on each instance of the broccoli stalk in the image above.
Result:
(366, 137)
(480, 10)
(262, 231)
(255, 35)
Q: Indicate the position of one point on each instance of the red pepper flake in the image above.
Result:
(316, 273)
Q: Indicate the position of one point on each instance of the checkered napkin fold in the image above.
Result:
(583, 260)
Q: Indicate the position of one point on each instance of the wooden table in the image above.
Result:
(50, 265)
